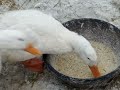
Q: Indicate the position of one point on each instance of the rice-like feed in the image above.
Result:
(71, 65)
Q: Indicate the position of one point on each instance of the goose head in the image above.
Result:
(13, 39)
(86, 52)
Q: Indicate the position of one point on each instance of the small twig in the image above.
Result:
(23, 4)
(34, 79)
(57, 3)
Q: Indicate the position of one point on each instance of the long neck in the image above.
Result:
(77, 42)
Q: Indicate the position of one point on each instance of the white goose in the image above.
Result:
(24, 27)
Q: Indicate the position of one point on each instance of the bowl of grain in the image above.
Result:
(105, 38)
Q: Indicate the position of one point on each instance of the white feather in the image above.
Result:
(48, 35)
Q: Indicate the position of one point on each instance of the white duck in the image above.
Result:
(24, 27)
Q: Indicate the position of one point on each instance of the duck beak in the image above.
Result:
(32, 50)
(95, 71)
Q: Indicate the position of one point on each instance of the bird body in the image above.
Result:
(44, 32)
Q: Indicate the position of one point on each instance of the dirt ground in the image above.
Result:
(15, 77)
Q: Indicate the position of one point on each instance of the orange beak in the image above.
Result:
(32, 50)
(95, 71)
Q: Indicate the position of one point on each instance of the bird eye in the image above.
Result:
(20, 39)
(89, 58)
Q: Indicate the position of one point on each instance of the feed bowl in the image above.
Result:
(96, 30)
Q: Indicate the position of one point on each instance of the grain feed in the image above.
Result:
(71, 65)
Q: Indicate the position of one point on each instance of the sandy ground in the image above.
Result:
(15, 77)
